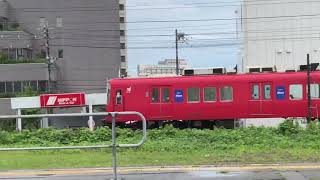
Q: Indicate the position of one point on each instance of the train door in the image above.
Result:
(119, 103)
(267, 99)
(155, 102)
(166, 108)
(315, 98)
(254, 99)
(161, 102)
(260, 100)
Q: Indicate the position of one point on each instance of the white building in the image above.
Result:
(163, 68)
(279, 34)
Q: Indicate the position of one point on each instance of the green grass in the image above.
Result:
(95, 158)
(165, 147)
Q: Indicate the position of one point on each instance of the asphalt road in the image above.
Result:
(253, 172)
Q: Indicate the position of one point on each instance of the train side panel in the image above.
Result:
(274, 95)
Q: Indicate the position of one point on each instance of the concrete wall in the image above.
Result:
(15, 39)
(5, 107)
(23, 72)
(280, 33)
(270, 122)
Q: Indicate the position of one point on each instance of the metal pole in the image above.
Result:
(114, 147)
(48, 57)
(309, 90)
(177, 53)
(91, 121)
(19, 121)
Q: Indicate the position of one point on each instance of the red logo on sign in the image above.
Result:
(62, 100)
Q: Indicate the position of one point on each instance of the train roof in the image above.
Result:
(223, 77)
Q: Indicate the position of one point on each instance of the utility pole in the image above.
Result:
(177, 53)
(45, 121)
(309, 90)
(48, 57)
(180, 37)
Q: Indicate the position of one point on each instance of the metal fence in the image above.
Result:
(114, 145)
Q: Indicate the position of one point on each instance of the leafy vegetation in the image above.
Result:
(166, 146)
(10, 27)
(5, 60)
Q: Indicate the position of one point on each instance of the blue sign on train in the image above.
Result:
(280, 92)
(178, 95)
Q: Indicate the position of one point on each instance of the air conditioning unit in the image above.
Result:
(204, 71)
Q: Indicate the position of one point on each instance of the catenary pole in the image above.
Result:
(309, 90)
(177, 53)
(48, 57)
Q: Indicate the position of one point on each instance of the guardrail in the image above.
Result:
(113, 145)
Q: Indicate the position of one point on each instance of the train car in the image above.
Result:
(215, 97)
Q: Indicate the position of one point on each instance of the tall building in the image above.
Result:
(123, 38)
(87, 44)
(279, 34)
(163, 68)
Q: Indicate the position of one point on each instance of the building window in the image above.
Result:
(295, 91)
(12, 53)
(25, 84)
(20, 53)
(155, 95)
(123, 58)
(122, 20)
(165, 95)
(34, 85)
(59, 22)
(121, 7)
(9, 87)
(122, 32)
(123, 72)
(2, 87)
(17, 87)
(210, 94)
(193, 94)
(123, 45)
(60, 53)
(4, 24)
(43, 21)
(226, 93)
(315, 91)
(42, 87)
(43, 53)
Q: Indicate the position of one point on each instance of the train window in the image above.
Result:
(315, 91)
(255, 92)
(210, 94)
(193, 94)
(165, 95)
(296, 92)
(267, 92)
(226, 93)
(155, 95)
(119, 97)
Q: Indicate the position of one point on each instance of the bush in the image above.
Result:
(169, 139)
(289, 127)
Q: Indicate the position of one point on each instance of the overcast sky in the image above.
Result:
(205, 46)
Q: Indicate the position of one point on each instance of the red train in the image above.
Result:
(215, 97)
